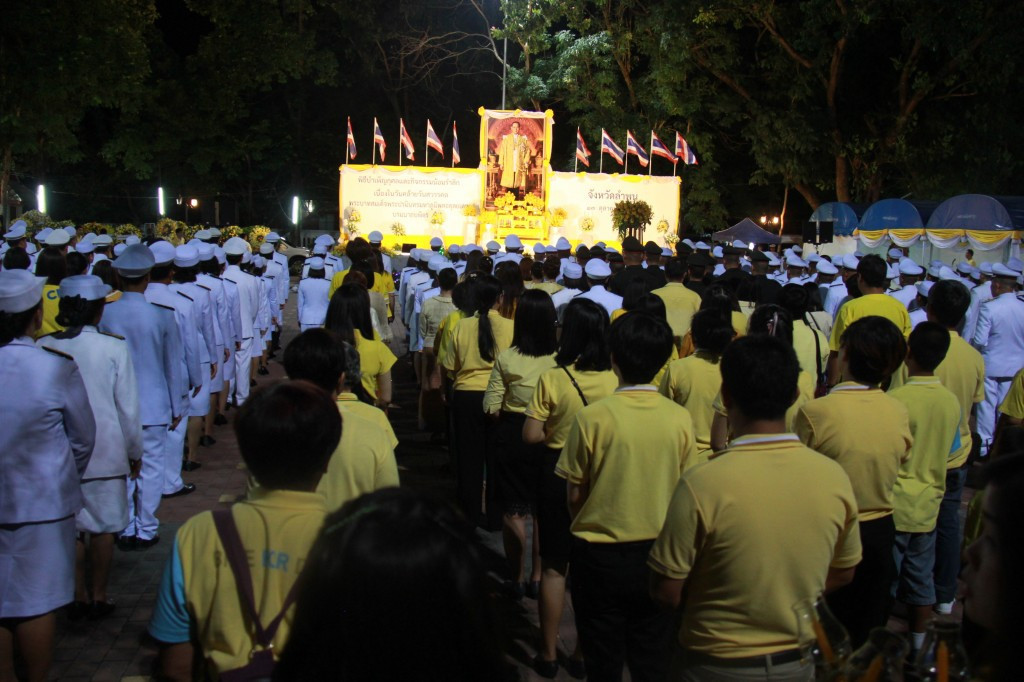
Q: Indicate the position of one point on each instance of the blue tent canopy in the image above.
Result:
(976, 212)
(891, 214)
(843, 215)
(747, 231)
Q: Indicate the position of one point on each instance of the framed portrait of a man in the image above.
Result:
(515, 151)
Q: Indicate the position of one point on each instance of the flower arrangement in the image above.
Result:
(125, 229)
(505, 201)
(437, 218)
(167, 227)
(354, 216)
(470, 210)
(37, 221)
(587, 224)
(398, 229)
(630, 217)
(558, 217)
(255, 235)
(230, 231)
(534, 202)
(666, 232)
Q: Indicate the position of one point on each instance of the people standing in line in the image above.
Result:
(248, 310)
(312, 296)
(598, 272)
(152, 336)
(871, 349)
(348, 315)
(764, 525)
(225, 306)
(509, 391)
(45, 447)
(583, 376)
(51, 265)
(681, 303)
(105, 364)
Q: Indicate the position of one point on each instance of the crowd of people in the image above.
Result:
(688, 442)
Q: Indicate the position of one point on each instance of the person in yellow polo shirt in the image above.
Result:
(760, 527)
(1012, 407)
(681, 303)
(695, 381)
(583, 376)
(873, 300)
(935, 425)
(348, 315)
(477, 341)
(364, 460)
(286, 434)
(621, 460)
(868, 433)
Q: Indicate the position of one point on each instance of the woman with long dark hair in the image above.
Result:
(476, 343)
(348, 315)
(51, 265)
(511, 386)
(583, 375)
(397, 562)
(106, 367)
(512, 287)
(48, 437)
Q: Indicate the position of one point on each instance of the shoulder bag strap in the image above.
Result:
(575, 385)
(235, 552)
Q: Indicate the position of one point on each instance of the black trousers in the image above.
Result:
(474, 466)
(616, 620)
(865, 603)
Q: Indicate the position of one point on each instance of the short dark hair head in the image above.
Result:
(51, 264)
(772, 320)
(287, 433)
(759, 376)
(463, 296)
(710, 332)
(316, 356)
(721, 298)
(795, 299)
(533, 332)
(395, 550)
(552, 267)
(675, 269)
(77, 263)
(75, 311)
(948, 301)
(105, 271)
(233, 258)
(929, 343)
(874, 349)
(641, 345)
(17, 258)
(584, 341)
(447, 279)
(872, 270)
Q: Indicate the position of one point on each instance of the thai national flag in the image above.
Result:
(684, 152)
(403, 134)
(658, 148)
(582, 153)
(633, 147)
(378, 139)
(455, 145)
(433, 141)
(609, 147)
(351, 140)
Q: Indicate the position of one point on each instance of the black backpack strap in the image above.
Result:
(575, 385)
(235, 552)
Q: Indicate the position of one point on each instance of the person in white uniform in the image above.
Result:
(208, 277)
(46, 442)
(106, 367)
(1000, 338)
(598, 272)
(910, 274)
(572, 280)
(248, 309)
(312, 296)
(282, 280)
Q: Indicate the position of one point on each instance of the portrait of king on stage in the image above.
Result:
(515, 156)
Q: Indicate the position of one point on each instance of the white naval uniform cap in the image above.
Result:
(136, 261)
(20, 290)
(89, 287)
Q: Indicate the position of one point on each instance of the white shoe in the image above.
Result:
(944, 608)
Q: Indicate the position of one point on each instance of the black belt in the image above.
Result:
(779, 658)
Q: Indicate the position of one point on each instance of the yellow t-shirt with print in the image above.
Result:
(868, 433)
(934, 423)
(375, 358)
(513, 381)
(1013, 403)
(962, 371)
(882, 305)
(694, 382)
(364, 461)
(628, 451)
(556, 401)
(277, 528)
(472, 372)
(348, 402)
(753, 532)
(51, 306)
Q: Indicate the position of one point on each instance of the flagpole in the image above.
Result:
(625, 166)
(650, 162)
(601, 169)
(402, 151)
(373, 161)
(347, 129)
(426, 145)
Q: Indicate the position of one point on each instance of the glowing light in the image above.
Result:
(160, 200)
(193, 202)
(295, 210)
(41, 198)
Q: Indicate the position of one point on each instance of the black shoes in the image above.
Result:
(143, 545)
(545, 668)
(126, 543)
(186, 489)
(220, 420)
(189, 465)
(207, 441)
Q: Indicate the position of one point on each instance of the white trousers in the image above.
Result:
(987, 413)
(144, 492)
(175, 453)
(243, 369)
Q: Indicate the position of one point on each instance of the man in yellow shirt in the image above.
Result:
(286, 434)
(934, 423)
(762, 526)
(681, 302)
(622, 459)
(871, 281)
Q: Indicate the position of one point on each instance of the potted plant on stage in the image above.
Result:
(471, 212)
(352, 224)
(630, 217)
(437, 219)
(586, 225)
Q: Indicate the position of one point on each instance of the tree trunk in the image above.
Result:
(5, 177)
